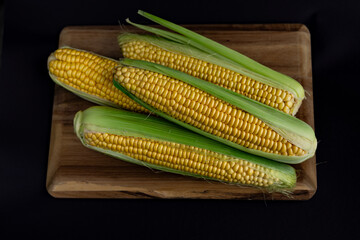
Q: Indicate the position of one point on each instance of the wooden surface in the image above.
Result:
(77, 172)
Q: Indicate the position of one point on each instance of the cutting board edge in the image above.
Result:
(287, 27)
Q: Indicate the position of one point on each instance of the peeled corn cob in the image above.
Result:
(211, 61)
(159, 144)
(89, 76)
(216, 112)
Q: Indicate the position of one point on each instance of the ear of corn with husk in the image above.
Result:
(238, 72)
(159, 144)
(216, 112)
(89, 76)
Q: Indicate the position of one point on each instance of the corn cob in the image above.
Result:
(89, 76)
(180, 57)
(145, 140)
(211, 61)
(216, 112)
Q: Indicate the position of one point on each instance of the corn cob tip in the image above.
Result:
(88, 75)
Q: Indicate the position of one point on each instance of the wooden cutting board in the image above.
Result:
(77, 172)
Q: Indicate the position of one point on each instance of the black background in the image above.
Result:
(30, 34)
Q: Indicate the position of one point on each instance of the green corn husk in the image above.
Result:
(292, 129)
(100, 119)
(209, 50)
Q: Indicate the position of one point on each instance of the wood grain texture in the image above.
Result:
(77, 172)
